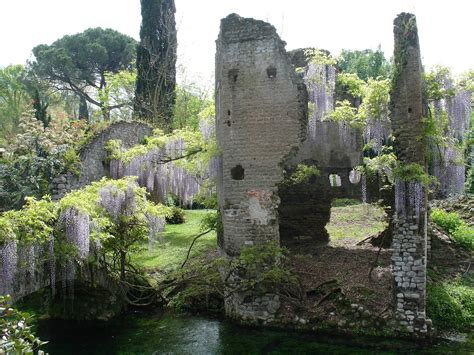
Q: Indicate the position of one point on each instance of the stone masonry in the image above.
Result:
(263, 134)
(93, 156)
(410, 225)
(260, 121)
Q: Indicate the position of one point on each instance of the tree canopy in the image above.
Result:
(13, 98)
(80, 62)
(366, 64)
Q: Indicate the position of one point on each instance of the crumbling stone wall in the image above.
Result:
(262, 134)
(260, 122)
(94, 156)
(335, 148)
(410, 235)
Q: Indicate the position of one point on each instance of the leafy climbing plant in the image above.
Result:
(16, 335)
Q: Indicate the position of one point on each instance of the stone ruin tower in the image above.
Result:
(260, 121)
(410, 232)
(262, 132)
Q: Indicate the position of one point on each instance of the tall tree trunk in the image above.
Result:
(156, 63)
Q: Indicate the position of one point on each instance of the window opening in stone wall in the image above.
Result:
(233, 75)
(271, 72)
(335, 180)
(237, 172)
(354, 176)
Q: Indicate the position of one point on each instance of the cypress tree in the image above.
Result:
(40, 108)
(156, 63)
(83, 110)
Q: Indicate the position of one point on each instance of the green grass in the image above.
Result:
(356, 221)
(177, 239)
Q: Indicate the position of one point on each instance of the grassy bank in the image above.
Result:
(177, 238)
(356, 221)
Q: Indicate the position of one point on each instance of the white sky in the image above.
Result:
(445, 27)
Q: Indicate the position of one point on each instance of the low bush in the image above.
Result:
(176, 216)
(342, 202)
(451, 306)
(464, 235)
(449, 221)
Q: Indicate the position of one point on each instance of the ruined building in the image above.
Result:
(410, 234)
(263, 133)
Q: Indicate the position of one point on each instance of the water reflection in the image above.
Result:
(180, 334)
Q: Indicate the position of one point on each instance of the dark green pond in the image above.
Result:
(181, 334)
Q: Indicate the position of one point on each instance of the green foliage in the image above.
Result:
(345, 112)
(192, 104)
(34, 222)
(454, 226)
(464, 236)
(264, 268)
(87, 199)
(451, 305)
(79, 63)
(466, 81)
(25, 176)
(120, 235)
(320, 57)
(383, 164)
(37, 155)
(176, 216)
(366, 64)
(72, 161)
(438, 83)
(412, 172)
(302, 174)
(16, 336)
(118, 93)
(14, 100)
(206, 200)
(350, 83)
(434, 131)
(40, 108)
(195, 157)
(375, 95)
(212, 221)
(376, 99)
(449, 221)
